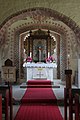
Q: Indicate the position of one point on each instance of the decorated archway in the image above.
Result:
(18, 24)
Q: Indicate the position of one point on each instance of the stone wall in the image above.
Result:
(19, 20)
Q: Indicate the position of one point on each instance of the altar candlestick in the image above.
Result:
(30, 54)
(68, 61)
(48, 54)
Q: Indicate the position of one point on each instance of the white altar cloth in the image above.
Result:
(40, 65)
(39, 70)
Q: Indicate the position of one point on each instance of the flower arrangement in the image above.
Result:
(50, 59)
(29, 59)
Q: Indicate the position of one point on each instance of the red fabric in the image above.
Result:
(6, 105)
(39, 82)
(32, 107)
(38, 112)
(38, 95)
(39, 86)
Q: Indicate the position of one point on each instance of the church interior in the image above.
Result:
(39, 60)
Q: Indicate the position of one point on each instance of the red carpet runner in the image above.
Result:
(37, 103)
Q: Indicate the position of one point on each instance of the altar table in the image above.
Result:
(40, 71)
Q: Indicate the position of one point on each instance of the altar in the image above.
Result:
(40, 71)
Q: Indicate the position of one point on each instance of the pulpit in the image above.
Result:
(8, 71)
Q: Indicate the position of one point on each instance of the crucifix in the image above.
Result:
(8, 73)
(40, 74)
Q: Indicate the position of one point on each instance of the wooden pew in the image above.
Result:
(0, 107)
(77, 107)
(70, 103)
(6, 92)
(73, 103)
(66, 102)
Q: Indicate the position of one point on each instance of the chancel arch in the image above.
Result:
(58, 36)
(48, 20)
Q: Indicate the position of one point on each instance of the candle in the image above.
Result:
(48, 54)
(30, 54)
(68, 60)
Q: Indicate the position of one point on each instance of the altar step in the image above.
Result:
(56, 87)
(39, 82)
(39, 101)
(59, 102)
(39, 86)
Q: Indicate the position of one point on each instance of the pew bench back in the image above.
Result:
(0, 107)
(70, 102)
(73, 102)
(6, 92)
(77, 107)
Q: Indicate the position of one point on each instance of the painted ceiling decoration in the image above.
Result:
(37, 16)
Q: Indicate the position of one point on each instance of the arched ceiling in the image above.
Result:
(70, 8)
(18, 14)
(37, 18)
